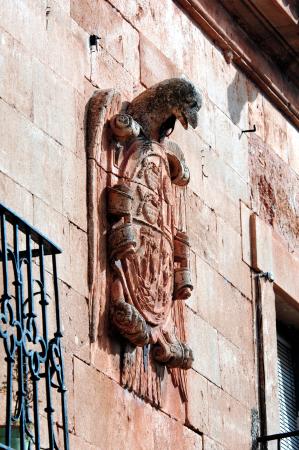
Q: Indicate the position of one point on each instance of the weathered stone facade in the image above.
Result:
(48, 74)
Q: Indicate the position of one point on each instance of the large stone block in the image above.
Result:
(230, 421)
(226, 86)
(193, 147)
(117, 36)
(16, 198)
(285, 269)
(107, 73)
(202, 229)
(237, 372)
(155, 66)
(206, 123)
(275, 130)
(210, 444)
(231, 265)
(131, 50)
(56, 227)
(223, 187)
(101, 403)
(101, 19)
(81, 102)
(30, 157)
(170, 435)
(270, 254)
(66, 5)
(215, 182)
(194, 59)
(75, 322)
(293, 145)
(66, 48)
(193, 300)
(171, 402)
(77, 276)
(26, 22)
(78, 443)
(261, 244)
(172, 34)
(231, 145)
(256, 109)
(74, 189)
(16, 74)
(54, 105)
(220, 304)
(275, 191)
(202, 338)
(105, 355)
(197, 406)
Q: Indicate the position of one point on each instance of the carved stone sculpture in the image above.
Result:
(148, 251)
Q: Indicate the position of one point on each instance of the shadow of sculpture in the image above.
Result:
(237, 97)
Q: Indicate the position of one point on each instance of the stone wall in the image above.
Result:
(47, 77)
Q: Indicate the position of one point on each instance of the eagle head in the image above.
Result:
(158, 107)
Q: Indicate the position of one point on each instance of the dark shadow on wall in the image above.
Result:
(237, 97)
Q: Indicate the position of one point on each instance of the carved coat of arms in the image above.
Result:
(148, 252)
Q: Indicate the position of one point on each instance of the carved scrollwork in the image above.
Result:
(173, 353)
(120, 199)
(124, 127)
(130, 323)
(10, 328)
(179, 172)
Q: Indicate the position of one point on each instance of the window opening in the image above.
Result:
(287, 390)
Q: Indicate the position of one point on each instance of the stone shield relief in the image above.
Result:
(146, 247)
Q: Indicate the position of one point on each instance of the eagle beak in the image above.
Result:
(183, 119)
(191, 117)
(187, 116)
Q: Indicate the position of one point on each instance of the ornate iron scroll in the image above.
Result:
(32, 389)
(148, 251)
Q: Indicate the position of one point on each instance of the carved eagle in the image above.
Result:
(158, 107)
(148, 252)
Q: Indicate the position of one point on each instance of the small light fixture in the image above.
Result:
(93, 42)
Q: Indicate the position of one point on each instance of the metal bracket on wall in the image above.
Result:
(267, 275)
(251, 130)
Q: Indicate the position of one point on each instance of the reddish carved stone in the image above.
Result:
(148, 252)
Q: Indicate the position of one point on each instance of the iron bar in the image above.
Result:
(44, 303)
(19, 311)
(24, 226)
(278, 437)
(5, 298)
(32, 356)
(56, 293)
(4, 252)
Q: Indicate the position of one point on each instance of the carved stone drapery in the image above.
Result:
(147, 250)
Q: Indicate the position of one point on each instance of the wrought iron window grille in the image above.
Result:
(277, 437)
(33, 409)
